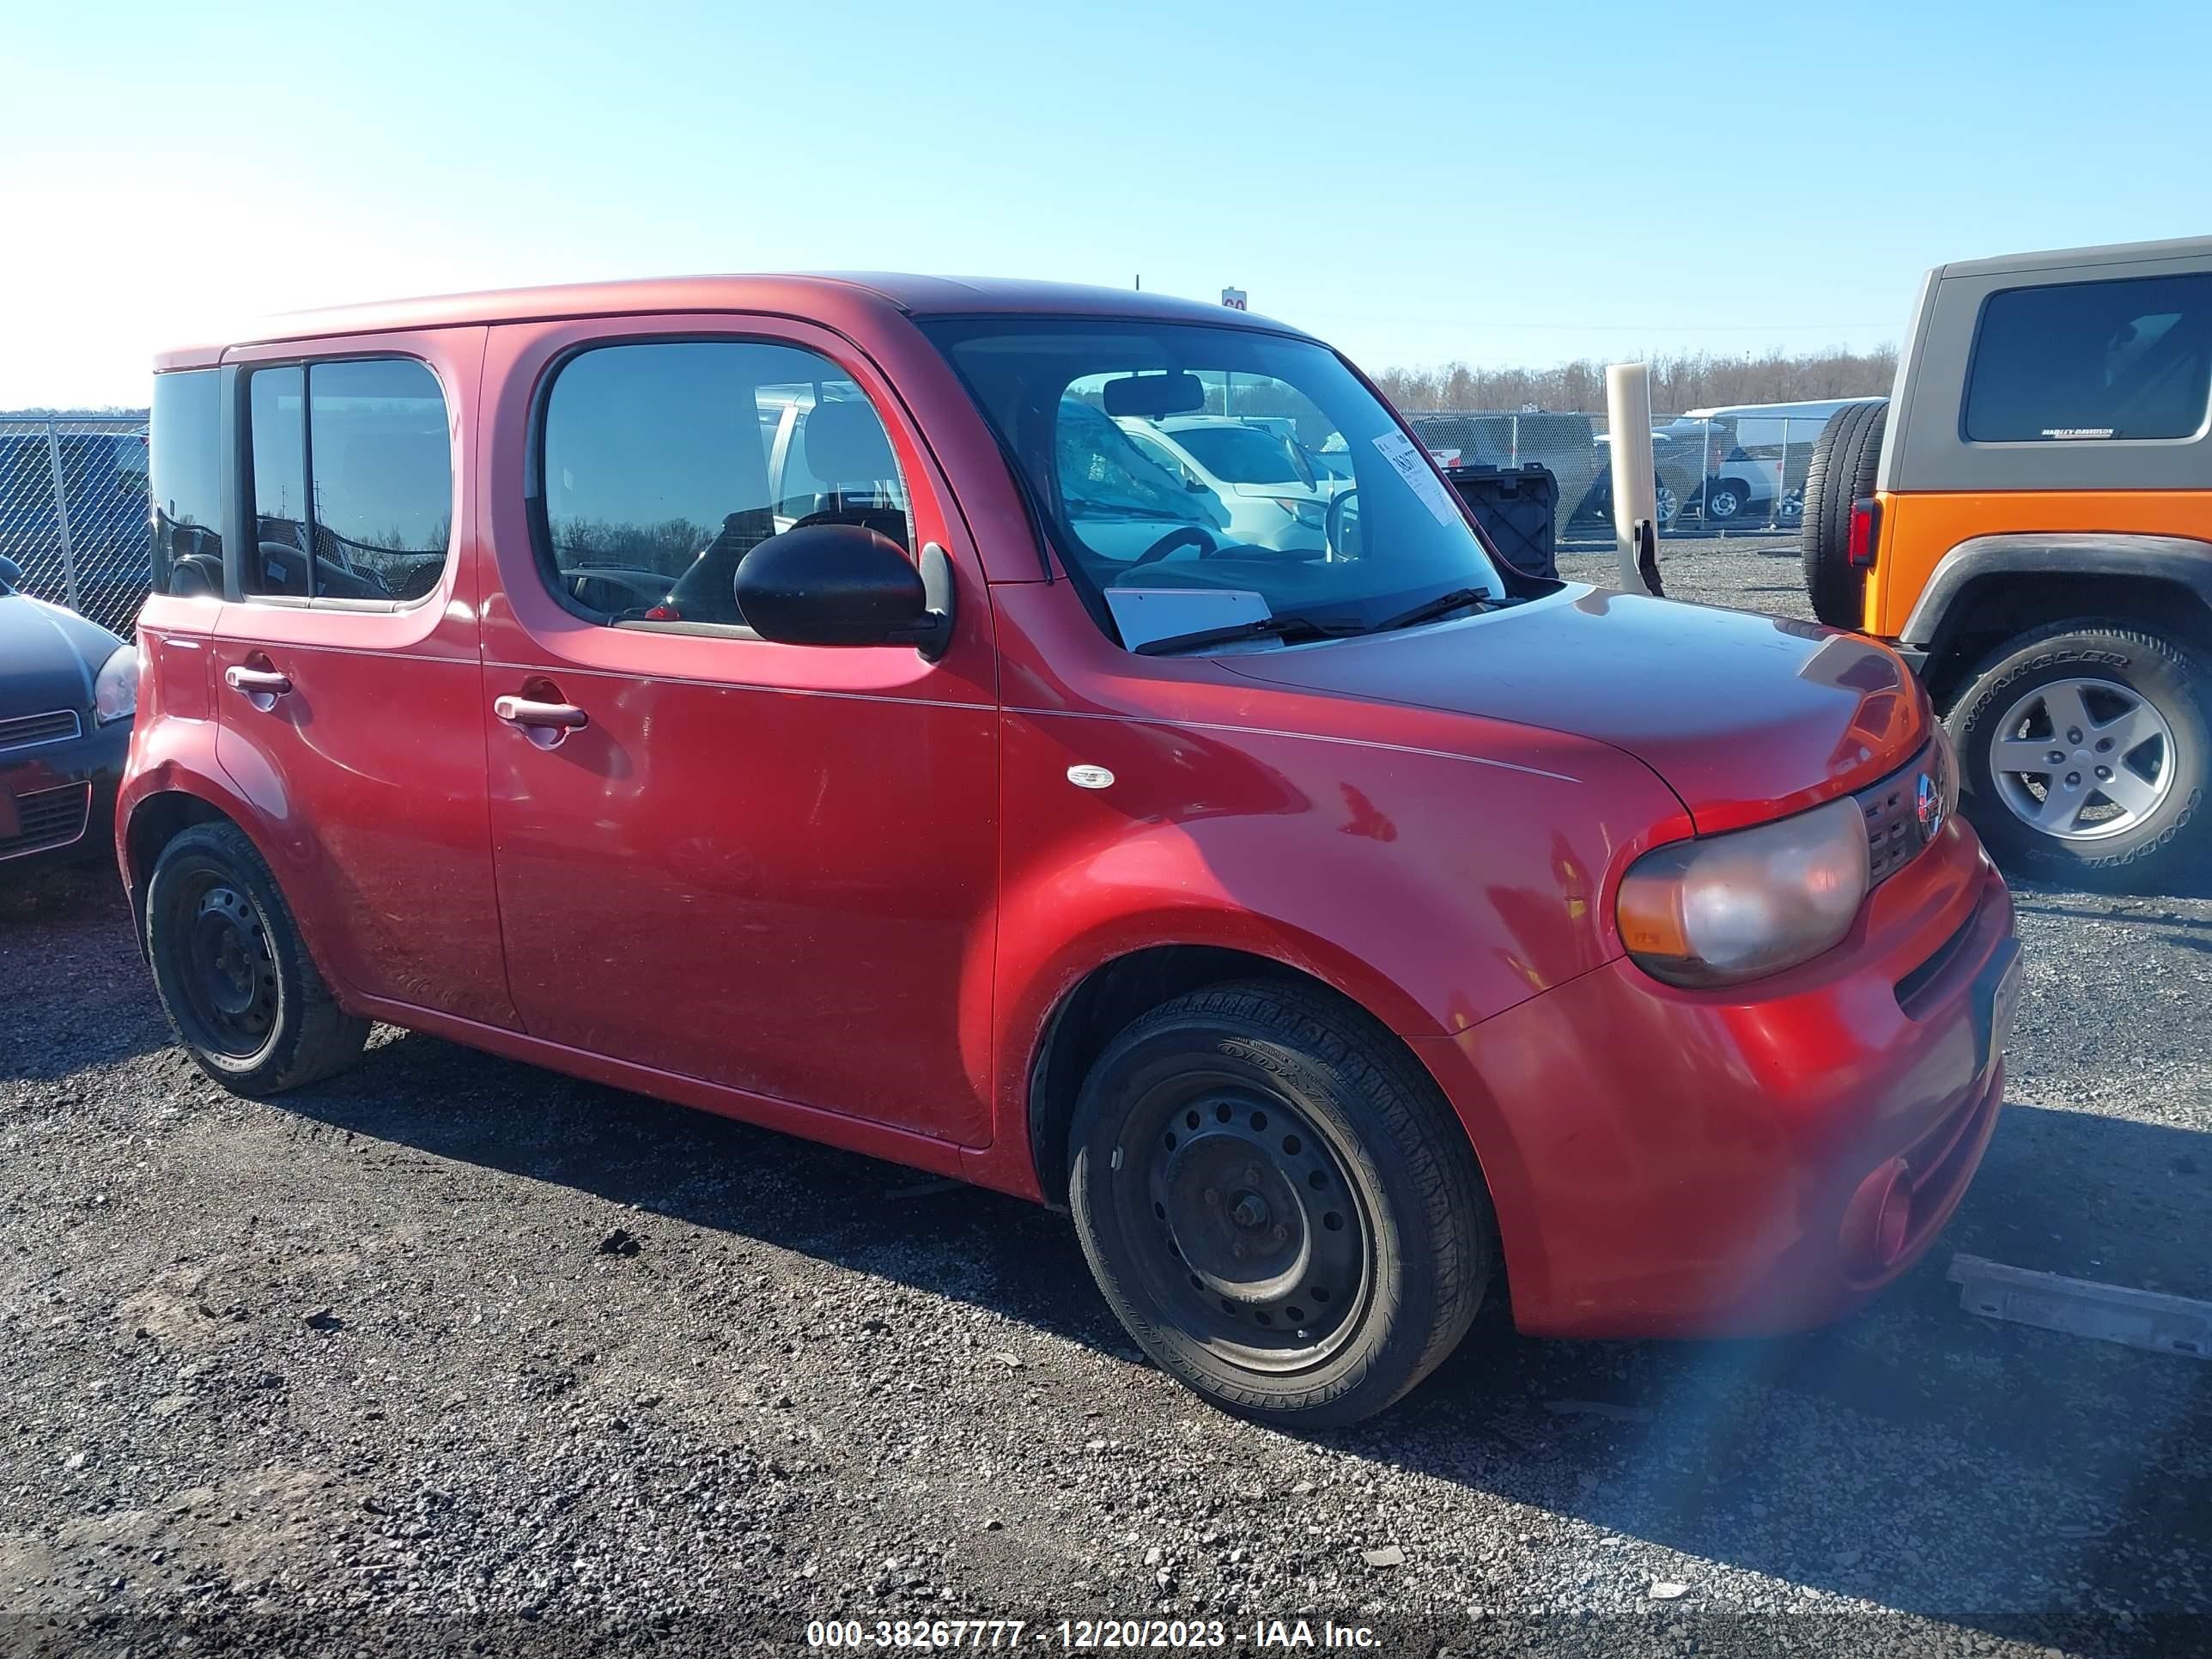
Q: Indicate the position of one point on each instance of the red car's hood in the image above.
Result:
(1746, 717)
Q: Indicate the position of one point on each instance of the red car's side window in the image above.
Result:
(665, 462)
(375, 521)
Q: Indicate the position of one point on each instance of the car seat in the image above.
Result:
(847, 449)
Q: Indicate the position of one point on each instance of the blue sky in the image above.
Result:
(1500, 184)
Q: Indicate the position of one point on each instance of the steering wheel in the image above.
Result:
(1192, 535)
(1332, 523)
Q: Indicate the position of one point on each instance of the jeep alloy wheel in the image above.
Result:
(2083, 759)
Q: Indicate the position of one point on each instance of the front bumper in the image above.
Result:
(60, 804)
(1670, 1162)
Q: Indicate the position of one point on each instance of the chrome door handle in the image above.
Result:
(258, 686)
(544, 724)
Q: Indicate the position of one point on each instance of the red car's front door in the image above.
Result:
(769, 866)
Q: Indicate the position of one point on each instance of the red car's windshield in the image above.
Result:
(1347, 552)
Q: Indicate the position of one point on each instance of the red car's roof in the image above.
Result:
(812, 295)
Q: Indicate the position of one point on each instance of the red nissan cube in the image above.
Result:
(1074, 741)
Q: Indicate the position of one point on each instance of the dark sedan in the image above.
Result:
(68, 690)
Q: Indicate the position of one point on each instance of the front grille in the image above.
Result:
(24, 730)
(1896, 827)
(48, 817)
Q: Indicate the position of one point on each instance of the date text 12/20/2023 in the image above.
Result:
(1086, 1635)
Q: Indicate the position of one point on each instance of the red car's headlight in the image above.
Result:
(1725, 908)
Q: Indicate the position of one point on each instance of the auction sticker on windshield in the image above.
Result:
(1403, 453)
(1157, 613)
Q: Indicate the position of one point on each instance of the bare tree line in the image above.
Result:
(1679, 381)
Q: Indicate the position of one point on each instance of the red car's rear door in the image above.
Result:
(346, 675)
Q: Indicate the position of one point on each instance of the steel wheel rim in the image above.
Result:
(2083, 759)
(226, 967)
(1209, 1165)
(1726, 505)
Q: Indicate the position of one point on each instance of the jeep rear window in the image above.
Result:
(2092, 360)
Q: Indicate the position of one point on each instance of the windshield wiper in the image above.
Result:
(1258, 628)
(1443, 605)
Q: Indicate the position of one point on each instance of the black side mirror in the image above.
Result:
(11, 575)
(843, 584)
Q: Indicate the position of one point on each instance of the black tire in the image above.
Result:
(1284, 1122)
(1842, 470)
(233, 977)
(2175, 679)
(1724, 500)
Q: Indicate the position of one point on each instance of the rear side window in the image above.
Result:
(2125, 359)
(184, 461)
(277, 399)
(353, 487)
(665, 463)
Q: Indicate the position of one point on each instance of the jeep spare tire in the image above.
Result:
(1845, 457)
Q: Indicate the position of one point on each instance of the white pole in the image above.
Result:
(1635, 496)
(1781, 480)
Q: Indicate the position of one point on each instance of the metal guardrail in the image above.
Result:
(73, 512)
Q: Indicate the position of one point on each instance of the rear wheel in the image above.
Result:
(1278, 1204)
(2083, 751)
(1844, 459)
(232, 973)
(1724, 501)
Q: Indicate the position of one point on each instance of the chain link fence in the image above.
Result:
(1738, 472)
(73, 512)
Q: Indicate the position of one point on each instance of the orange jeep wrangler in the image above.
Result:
(2028, 519)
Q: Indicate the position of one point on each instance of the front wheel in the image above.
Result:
(1277, 1203)
(233, 975)
(1724, 501)
(2083, 749)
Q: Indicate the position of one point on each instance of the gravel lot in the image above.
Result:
(450, 1354)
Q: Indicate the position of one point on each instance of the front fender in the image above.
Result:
(1433, 890)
